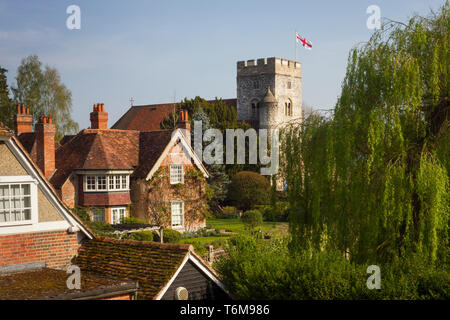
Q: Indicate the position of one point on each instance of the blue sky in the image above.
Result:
(153, 50)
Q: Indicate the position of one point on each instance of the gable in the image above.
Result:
(198, 285)
(47, 211)
(177, 151)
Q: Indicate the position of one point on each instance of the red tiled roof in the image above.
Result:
(151, 263)
(149, 117)
(111, 149)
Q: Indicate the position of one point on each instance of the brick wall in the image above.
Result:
(56, 248)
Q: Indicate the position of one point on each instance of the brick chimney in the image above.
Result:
(99, 118)
(45, 145)
(23, 120)
(185, 125)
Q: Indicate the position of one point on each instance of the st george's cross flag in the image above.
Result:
(305, 43)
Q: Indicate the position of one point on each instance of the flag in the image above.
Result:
(302, 40)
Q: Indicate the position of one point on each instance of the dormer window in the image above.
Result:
(18, 201)
(109, 182)
(176, 173)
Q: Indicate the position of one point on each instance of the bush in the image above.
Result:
(248, 189)
(132, 220)
(279, 213)
(252, 219)
(141, 236)
(228, 212)
(266, 269)
(169, 236)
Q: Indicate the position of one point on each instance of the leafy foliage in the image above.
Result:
(248, 189)
(44, 93)
(252, 219)
(169, 236)
(6, 104)
(372, 178)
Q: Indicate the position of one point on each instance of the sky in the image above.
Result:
(158, 51)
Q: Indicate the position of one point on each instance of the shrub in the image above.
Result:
(248, 189)
(141, 236)
(169, 236)
(228, 212)
(266, 269)
(132, 220)
(277, 213)
(252, 218)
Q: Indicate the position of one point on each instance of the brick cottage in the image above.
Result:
(151, 175)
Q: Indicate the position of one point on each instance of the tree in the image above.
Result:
(43, 92)
(248, 189)
(373, 178)
(6, 104)
(252, 219)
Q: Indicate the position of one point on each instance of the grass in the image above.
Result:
(235, 226)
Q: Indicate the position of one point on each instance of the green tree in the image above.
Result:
(248, 189)
(372, 179)
(6, 104)
(252, 219)
(42, 91)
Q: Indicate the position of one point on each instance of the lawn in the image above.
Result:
(235, 226)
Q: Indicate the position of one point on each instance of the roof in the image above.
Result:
(269, 98)
(47, 283)
(151, 263)
(149, 117)
(48, 189)
(109, 149)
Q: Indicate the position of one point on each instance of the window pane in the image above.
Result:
(4, 191)
(124, 182)
(4, 204)
(27, 214)
(25, 189)
(101, 183)
(177, 214)
(16, 215)
(15, 189)
(90, 182)
(117, 178)
(98, 215)
(111, 182)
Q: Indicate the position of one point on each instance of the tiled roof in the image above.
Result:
(149, 117)
(51, 284)
(152, 264)
(110, 149)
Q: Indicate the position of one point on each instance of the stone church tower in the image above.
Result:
(269, 92)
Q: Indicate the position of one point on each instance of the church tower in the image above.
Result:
(269, 92)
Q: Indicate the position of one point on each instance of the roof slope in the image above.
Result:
(152, 264)
(109, 149)
(149, 117)
(51, 284)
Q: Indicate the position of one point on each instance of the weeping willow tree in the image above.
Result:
(372, 178)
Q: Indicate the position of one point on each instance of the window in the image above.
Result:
(289, 85)
(176, 173)
(98, 215)
(117, 215)
(256, 84)
(288, 109)
(111, 182)
(18, 202)
(177, 214)
(254, 109)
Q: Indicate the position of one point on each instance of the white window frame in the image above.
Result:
(9, 180)
(121, 179)
(102, 210)
(172, 203)
(117, 209)
(174, 178)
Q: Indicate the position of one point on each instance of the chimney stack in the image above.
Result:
(45, 145)
(23, 120)
(99, 118)
(185, 125)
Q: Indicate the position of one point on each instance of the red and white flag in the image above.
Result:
(302, 40)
